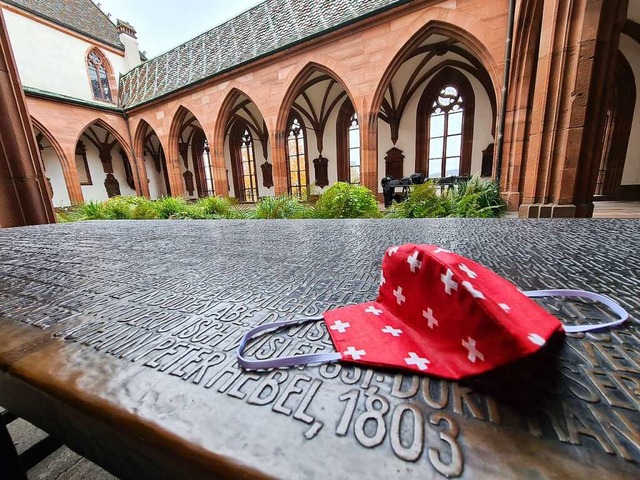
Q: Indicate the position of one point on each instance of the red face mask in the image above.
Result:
(437, 313)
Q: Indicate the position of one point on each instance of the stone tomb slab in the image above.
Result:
(119, 338)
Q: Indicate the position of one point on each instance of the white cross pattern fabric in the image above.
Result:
(400, 298)
(355, 353)
(414, 263)
(470, 345)
(340, 326)
(449, 283)
(396, 332)
(470, 273)
(419, 362)
(430, 318)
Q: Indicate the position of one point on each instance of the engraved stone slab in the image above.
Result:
(120, 337)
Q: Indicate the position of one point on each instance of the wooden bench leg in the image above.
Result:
(9, 459)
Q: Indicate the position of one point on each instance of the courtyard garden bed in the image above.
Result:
(475, 198)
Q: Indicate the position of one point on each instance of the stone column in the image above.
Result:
(279, 159)
(573, 78)
(174, 173)
(218, 165)
(369, 151)
(71, 178)
(142, 187)
(526, 41)
(24, 199)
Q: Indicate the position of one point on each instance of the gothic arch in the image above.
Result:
(175, 130)
(101, 123)
(181, 183)
(131, 168)
(620, 115)
(484, 61)
(143, 134)
(52, 140)
(139, 138)
(294, 90)
(225, 120)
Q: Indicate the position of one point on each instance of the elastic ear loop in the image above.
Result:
(613, 306)
(284, 361)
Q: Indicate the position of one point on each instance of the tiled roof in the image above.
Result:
(266, 28)
(79, 15)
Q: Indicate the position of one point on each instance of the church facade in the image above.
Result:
(290, 97)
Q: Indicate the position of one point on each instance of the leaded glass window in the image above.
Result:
(354, 149)
(98, 77)
(208, 172)
(445, 133)
(248, 166)
(298, 172)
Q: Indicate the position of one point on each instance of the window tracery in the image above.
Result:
(99, 77)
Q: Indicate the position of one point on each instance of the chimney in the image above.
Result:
(130, 41)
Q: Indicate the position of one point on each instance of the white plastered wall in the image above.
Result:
(631, 172)
(53, 171)
(483, 116)
(51, 60)
(157, 186)
(97, 191)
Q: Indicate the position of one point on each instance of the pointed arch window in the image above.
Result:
(243, 163)
(98, 70)
(354, 149)
(249, 181)
(348, 144)
(445, 133)
(297, 153)
(208, 172)
(445, 126)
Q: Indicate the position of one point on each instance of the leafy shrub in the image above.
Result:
(281, 207)
(119, 208)
(423, 202)
(476, 198)
(215, 207)
(145, 211)
(91, 210)
(171, 207)
(343, 200)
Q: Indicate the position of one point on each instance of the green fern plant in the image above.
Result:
(343, 200)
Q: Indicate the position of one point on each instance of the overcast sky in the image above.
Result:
(164, 24)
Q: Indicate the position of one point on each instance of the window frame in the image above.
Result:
(237, 136)
(343, 128)
(448, 76)
(109, 76)
(295, 116)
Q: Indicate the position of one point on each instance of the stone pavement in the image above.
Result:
(616, 210)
